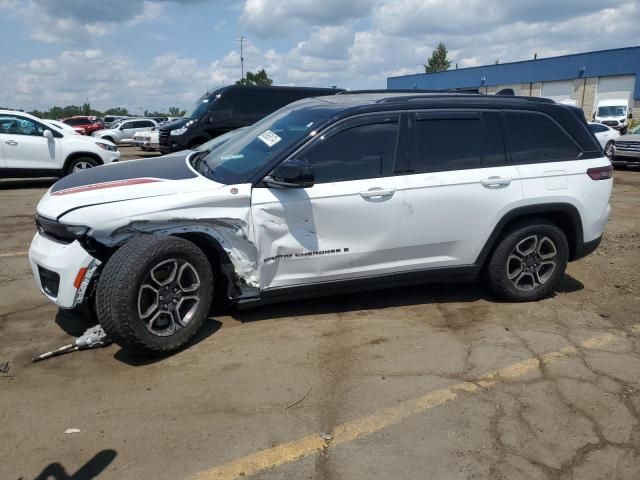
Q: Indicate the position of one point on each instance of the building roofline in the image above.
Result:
(519, 62)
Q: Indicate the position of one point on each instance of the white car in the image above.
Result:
(328, 195)
(147, 141)
(606, 136)
(124, 131)
(31, 147)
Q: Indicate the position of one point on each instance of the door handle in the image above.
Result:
(11, 142)
(495, 181)
(377, 193)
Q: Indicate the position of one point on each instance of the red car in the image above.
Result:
(84, 125)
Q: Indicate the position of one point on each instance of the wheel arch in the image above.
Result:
(72, 156)
(232, 256)
(565, 215)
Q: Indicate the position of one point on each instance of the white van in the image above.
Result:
(614, 113)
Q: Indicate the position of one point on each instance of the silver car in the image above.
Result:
(123, 132)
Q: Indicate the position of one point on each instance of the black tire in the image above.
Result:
(609, 147)
(86, 162)
(195, 143)
(109, 139)
(119, 293)
(501, 261)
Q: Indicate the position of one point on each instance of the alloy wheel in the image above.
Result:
(532, 262)
(169, 297)
(609, 149)
(81, 166)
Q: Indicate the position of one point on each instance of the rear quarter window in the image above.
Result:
(536, 137)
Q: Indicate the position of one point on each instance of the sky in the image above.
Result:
(153, 54)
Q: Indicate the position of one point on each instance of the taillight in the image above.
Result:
(601, 173)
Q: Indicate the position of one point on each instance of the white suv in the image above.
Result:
(124, 131)
(30, 147)
(328, 195)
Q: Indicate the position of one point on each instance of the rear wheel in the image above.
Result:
(81, 163)
(154, 294)
(528, 262)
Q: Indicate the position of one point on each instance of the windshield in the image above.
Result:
(236, 159)
(199, 108)
(612, 111)
(216, 142)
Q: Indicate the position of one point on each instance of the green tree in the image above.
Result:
(258, 78)
(438, 61)
(176, 112)
(117, 111)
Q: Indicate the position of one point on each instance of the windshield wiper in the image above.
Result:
(199, 163)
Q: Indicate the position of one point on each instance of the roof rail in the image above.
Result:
(395, 90)
(431, 95)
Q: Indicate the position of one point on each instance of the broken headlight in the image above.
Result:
(59, 232)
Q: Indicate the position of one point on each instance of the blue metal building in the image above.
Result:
(581, 79)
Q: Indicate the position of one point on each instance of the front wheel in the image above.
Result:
(610, 149)
(528, 262)
(154, 294)
(81, 163)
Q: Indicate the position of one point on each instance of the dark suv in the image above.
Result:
(228, 108)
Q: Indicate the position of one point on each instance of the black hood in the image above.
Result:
(167, 167)
(173, 124)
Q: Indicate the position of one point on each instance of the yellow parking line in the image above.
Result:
(385, 417)
(13, 254)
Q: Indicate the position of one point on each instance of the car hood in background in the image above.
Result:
(117, 182)
(173, 124)
(629, 138)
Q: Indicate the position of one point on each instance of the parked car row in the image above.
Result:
(214, 114)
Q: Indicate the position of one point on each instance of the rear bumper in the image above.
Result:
(587, 248)
(55, 267)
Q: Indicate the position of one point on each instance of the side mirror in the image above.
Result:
(291, 173)
(630, 116)
(47, 134)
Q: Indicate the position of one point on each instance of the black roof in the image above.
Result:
(349, 103)
(327, 90)
(412, 99)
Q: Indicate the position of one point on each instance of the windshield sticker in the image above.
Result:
(269, 138)
(232, 156)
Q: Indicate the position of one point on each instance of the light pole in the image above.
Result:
(241, 40)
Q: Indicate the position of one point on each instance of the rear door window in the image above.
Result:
(535, 137)
(447, 141)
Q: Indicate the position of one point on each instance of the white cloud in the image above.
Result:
(355, 44)
(282, 18)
